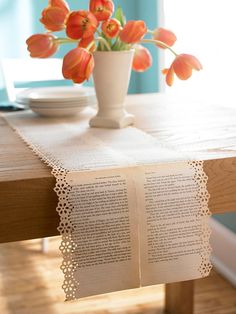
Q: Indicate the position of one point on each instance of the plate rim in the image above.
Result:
(24, 96)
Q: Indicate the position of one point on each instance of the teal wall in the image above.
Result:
(13, 18)
(15, 25)
(228, 220)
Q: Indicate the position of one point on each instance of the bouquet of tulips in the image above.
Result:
(97, 29)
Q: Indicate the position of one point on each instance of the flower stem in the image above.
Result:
(65, 40)
(117, 44)
(101, 35)
(153, 41)
(90, 46)
(98, 32)
(104, 42)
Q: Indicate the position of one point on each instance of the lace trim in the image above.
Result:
(68, 246)
(64, 209)
(203, 197)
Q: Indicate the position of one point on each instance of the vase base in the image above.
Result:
(112, 123)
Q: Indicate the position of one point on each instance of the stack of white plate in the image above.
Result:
(57, 101)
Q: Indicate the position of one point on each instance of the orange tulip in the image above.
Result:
(142, 59)
(54, 16)
(78, 65)
(111, 28)
(182, 66)
(102, 9)
(133, 32)
(42, 45)
(164, 35)
(81, 24)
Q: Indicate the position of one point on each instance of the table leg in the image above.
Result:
(179, 297)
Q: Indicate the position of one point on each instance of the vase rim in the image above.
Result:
(114, 51)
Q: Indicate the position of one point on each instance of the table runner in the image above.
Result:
(132, 211)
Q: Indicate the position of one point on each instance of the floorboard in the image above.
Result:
(30, 283)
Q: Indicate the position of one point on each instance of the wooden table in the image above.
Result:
(200, 131)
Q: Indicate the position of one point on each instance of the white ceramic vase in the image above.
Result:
(111, 80)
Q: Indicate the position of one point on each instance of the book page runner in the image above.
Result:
(132, 212)
(174, 242)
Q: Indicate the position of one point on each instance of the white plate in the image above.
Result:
(54, 94)
(58, 112)
(87, 102)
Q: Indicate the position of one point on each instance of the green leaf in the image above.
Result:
(119, 15)
(99, 47)
(116, 45)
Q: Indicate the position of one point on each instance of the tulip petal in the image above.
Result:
(170, 76)
(81, 24)
(182, 69)
(133, 32)
(78, 65)
(102, 9)
(142, 59)
(70, 60)
(111, 28)
(41, 45)
(164, 35)
(54, 15)
(193, 62)
(61, 4)
(53, 19)
(77, 79)
(165, 71)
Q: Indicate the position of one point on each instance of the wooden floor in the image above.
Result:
(30, 283)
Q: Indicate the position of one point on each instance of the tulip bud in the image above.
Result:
(78, 65)
(81, 24)
(111, 28)
(164, 35)
(182, 66)
(42, 45)
(60, 4)
(133, 32)
(102, 9)
(142, 59)
(54, 16)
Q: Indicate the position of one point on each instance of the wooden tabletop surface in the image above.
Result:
(200, 131)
